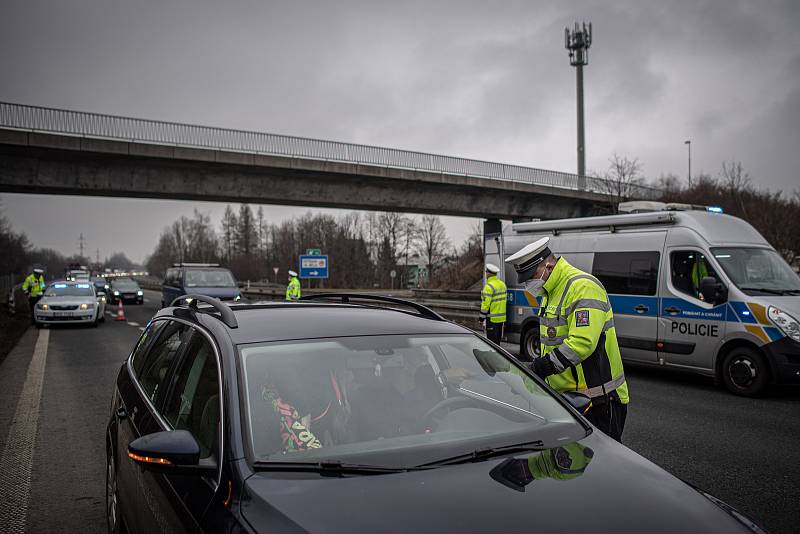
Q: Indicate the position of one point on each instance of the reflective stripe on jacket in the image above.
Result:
(293, 289)
(493, 300)
(33, 286)
(577, 333)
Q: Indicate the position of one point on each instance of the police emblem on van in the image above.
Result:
(582, 318)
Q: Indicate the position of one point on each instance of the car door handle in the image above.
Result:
(673, 310)
(121, 413)
(641, 308)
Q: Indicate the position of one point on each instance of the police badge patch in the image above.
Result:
(551, 332)
(582, 318)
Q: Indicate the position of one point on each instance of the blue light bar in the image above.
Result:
(60, 286)
(714, 209)
(84, 286)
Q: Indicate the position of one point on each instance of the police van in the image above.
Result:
(690, 288)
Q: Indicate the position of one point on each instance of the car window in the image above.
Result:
(391, 400)
(687, 270)
(627, 273)
(193, 401)
(150, 333)
(159, 359)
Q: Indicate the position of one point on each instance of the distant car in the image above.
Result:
(75, 275)
(199, 278)
(101, 285)
(312, 416)
(70, 302)
(125, 290)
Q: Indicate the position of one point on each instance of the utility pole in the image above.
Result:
(688, 143)
(578, 41)
(81, 244)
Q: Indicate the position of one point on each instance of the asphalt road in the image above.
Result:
(741, 450)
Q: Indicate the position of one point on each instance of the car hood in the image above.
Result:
(617, 491)
(216, 292)
(67, 300)
(787, 303)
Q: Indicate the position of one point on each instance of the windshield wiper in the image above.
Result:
(479, 455)
(766, 290)
(332, 469)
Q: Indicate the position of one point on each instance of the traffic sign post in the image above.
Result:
(315, 266)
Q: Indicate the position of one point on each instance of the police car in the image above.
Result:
(355, 413)
(691, 288)
(70, 302)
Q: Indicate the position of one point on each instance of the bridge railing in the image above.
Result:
(95, 125)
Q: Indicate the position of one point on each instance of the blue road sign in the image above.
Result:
(314, 266)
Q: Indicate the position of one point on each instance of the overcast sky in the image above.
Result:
(488, 80)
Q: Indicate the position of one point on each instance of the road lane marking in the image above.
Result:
(16, 463)
(133, 323)
(146, 300)
(141, 328)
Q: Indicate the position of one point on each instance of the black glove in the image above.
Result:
(543, 367)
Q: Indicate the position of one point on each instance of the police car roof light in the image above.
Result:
(345, 298)
(607, 221)
(714, 209)
(226, 314)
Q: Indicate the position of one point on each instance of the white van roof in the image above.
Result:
(715, 228)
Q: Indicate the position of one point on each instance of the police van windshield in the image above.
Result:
(392, 400)
(209, 278)
(758, 271)
(69, 290)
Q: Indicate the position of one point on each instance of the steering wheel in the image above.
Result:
(434, 416)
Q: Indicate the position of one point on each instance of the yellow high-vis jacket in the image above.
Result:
(293, 289)
(493, 300)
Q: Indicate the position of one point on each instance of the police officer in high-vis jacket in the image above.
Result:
(577, 335)
(493, 304)
(33, 287)
(293, 289)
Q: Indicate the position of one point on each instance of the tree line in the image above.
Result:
(363, 249)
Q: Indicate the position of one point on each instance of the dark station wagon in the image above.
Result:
(353, 413)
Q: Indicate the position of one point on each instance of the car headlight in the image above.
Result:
(84, 306)
(106, 286)
(237, 297)
(116, 293)
(139, 293)
(44, 307)
(785, 322)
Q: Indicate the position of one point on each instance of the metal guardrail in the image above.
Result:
(95, 125)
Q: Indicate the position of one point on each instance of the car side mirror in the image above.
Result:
(578, 400)
(713, 292)
(170, 452)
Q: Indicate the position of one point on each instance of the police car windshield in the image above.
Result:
(392, 400)
(757, 271)
(209, 278)
(69, 290)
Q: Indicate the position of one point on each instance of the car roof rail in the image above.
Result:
(182, 264)
(226, 314)
(345, 298)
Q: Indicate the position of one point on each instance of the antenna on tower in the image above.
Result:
(578, 41)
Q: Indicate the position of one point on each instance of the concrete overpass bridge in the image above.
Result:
(54, 151)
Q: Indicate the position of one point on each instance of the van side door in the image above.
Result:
(690, 330)
(631, 281)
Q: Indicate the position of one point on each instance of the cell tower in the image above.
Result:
(577, 41)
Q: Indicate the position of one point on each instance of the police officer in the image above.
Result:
(493, 304)
(577, 335)
(33, 287)
(293, 289)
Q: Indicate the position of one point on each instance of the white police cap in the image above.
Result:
(526, 260)
(492, 268)
(38, 270)
(292, 273)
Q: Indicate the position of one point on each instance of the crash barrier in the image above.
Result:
(7, 289)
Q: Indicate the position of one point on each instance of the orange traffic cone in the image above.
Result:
(120, 312)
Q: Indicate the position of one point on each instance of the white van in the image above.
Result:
(689, 288)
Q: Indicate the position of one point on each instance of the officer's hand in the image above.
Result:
(543, 367)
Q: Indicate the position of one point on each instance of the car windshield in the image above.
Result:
(758, 271)
(125, 284)
(69, 290)
(209, 278)
(392, 400)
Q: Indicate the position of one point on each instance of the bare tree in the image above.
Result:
(433, 242)
(622, 180)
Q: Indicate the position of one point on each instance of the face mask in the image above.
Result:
(535, 287)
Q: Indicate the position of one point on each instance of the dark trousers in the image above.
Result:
(494, 331)
(32, 302)
(609, 417)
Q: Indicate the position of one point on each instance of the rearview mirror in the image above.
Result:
(578, 400)
(713, 292)
(170, 451)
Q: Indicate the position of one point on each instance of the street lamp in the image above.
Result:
(688, 143)
(578, 42)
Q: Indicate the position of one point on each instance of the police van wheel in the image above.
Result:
(529, 347)
(744, 372)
